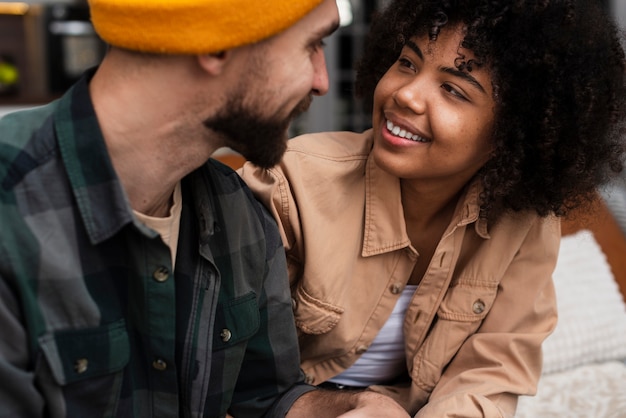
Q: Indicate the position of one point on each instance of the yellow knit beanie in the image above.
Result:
(193, 26)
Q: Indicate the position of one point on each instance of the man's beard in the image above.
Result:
(260, 139)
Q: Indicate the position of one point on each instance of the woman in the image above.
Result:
(421, 251)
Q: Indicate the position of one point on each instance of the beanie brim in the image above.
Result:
(193, 26)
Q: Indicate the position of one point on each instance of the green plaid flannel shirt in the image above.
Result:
(95, 322)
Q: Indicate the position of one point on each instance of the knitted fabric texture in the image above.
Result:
(193, 26)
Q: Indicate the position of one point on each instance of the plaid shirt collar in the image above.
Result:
(101, 200)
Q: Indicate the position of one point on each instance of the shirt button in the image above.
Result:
(395, 288)
(309, 379)
(80, 366)
(478, 306)
(159, 365)
(361, 349)
(294, 304)
(161, 274)
(225, 335)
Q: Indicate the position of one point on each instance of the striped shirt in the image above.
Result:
(96, 323)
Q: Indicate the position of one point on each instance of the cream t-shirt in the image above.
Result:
(169, 226)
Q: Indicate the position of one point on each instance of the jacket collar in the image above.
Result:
(384, 227)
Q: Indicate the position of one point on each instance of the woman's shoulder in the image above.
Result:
(526, 225)
(340, 145)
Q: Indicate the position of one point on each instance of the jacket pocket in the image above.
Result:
(314, 316)
(460, 314)
(236, 321)
(78, 354)
(468, 301)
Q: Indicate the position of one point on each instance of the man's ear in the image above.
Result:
(215, 62)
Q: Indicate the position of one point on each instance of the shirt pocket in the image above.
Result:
(460, 314)
(78, 354)
(236, 320)
(312, 315)
(88, 364)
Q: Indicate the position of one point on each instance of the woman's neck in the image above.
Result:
(425, 207)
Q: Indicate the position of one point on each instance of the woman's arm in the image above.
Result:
(503, 358)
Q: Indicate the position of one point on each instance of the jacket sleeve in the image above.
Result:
(503, 358)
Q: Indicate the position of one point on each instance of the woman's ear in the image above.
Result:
(215, 62)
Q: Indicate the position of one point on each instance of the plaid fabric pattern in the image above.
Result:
(95, 322)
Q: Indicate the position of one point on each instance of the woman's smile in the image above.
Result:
(396, 131)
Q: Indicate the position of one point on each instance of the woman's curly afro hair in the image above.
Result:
(558, 75)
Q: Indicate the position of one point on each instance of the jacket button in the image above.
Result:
(309, 379)
(80, 366)
(159, 365)
(478, 307)
(395, 288)
(225, 335)
(361, 349)
(161, 274)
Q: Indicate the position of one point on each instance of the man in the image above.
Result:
(136, 278)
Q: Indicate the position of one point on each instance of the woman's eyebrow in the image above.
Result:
(464, 75)
(415, 48)
(449, 70)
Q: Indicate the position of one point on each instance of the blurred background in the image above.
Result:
(46, 44)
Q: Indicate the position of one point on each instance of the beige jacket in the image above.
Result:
(475, 325)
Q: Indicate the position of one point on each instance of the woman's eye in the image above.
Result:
(403, 62)
(453, 91)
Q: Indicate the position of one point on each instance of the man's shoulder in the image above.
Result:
(222, 174)
(235, 204)
(236, 200)
(26, 141)
(18, 126)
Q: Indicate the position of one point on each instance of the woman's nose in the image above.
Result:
(412, 95)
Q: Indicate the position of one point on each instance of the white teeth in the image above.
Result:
(402, 133)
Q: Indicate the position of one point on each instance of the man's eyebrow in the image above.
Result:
(328, 29)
